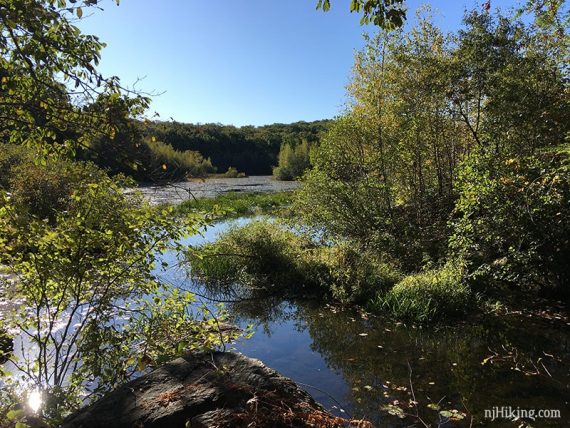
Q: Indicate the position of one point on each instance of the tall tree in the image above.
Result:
(49, 75)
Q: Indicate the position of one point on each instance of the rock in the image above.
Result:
(208, 390)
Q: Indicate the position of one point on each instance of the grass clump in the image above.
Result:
(353, 275)
(428, 296)
(269, 258)
(262, 256)
(238, 203)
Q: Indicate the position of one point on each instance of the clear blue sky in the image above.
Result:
(240, 61)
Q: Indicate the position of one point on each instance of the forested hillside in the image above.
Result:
(252, 150)
(161, 151)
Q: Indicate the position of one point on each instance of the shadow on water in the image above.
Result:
(356, 364)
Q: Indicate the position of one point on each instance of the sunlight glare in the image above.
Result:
(35, 401)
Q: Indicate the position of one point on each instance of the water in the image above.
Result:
(354, 364)
(178, 192)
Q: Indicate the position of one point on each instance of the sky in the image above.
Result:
(240, 62)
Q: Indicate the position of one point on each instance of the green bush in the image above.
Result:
(233, 173)
(44, 190)
(261, 255)
(10, 157)
(428, 296)
(90, 264)
(353, 275)
(270, 258)
(512, 220)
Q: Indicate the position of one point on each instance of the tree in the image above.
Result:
(387, 14)
(293, 161)
(94, 313)
(48, 75)
(383, 175)
(420, 104)
(83, 251)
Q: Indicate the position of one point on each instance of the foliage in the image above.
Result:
(261, 255)
(92, 305)
(10, 157)
(383, 175)
(511, 221)
(420, 103)
(251, 150)
(353, 275)
(233, 173)
(271, 259)
(43, 191)
(492, 69)
(293, 161)
(429, 296)
(49, 76)
(167, 163)
(237, 204)
(6, 346)
(388, 14)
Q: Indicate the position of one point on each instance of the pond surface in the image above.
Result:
(178, 192)
(354, 364)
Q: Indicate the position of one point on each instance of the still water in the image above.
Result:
(355, 364)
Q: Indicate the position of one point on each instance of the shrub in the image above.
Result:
(94, 314)
(293, 161)
(432, 295)
(44, 190)
(10, 157)
(260, 255)
(353, 275)
(270, 258)
(512, 220)
(233, 173)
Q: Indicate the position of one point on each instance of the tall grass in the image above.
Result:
(267, 258)
(238, 203)
(432, 295)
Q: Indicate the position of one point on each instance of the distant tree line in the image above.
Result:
(249, 149)
(165, 151)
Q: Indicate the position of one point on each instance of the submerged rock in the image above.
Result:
(209, 390)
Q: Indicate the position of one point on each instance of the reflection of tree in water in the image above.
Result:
(376, 352)
(373, 353)
(251, 306)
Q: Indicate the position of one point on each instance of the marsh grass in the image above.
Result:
(233, 204)
(433, 295)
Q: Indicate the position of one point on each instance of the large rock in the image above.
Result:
(209, 390)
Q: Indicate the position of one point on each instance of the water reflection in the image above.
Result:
(365, 362)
